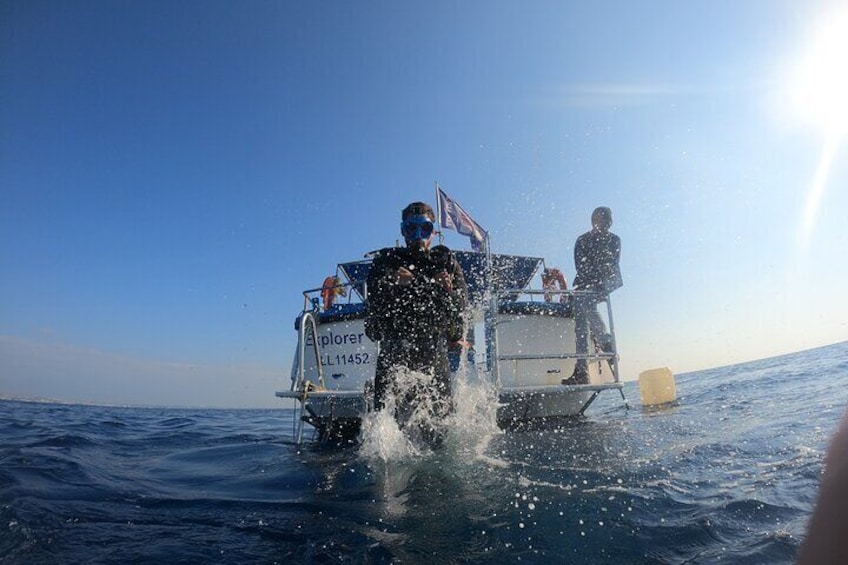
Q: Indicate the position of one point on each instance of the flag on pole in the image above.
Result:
(453, 217)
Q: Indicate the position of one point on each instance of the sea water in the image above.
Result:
(727, 475)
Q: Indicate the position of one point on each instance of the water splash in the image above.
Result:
(396, 432)
(407, 465)
(474, 421)
(381, 439)
(468, 429)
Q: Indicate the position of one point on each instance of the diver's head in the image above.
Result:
(417, 225)
(602, 218)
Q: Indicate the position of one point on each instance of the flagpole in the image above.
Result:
(439, 213)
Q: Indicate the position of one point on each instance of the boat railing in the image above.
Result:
(510, 295)
(300, 386)
(312, 296)
(308, 326)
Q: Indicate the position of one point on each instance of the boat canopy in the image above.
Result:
(508, 272)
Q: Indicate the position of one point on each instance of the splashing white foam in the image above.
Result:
(392, 434)
(468, 429)
(474, 420)
(381, 439)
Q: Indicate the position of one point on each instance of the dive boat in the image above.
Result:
(529, 347)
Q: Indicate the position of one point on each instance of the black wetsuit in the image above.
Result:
(596, 257)
(415, 323)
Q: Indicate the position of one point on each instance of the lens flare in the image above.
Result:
(817, 189)
(821, 96)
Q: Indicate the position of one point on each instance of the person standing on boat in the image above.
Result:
(596, 258)
(416, 299)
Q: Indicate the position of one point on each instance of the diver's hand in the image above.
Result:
(445, 280)
(403, 276)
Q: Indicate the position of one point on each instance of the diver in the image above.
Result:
(596, 257)
(416, 300)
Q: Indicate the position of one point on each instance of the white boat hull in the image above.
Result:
(533, 348)
(526, 405)
(518, 406)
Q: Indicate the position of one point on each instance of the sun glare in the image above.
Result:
(821, 88)
(821, 96)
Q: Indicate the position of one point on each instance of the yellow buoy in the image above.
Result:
(657, 386)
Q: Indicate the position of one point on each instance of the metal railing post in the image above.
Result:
(612, 338)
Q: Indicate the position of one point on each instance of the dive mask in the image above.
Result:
(416, 228)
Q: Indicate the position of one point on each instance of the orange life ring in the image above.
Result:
(550, 279)
(330, 289)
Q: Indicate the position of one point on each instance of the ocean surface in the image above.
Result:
(727, 475)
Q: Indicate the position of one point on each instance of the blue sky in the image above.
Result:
(173, 175)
